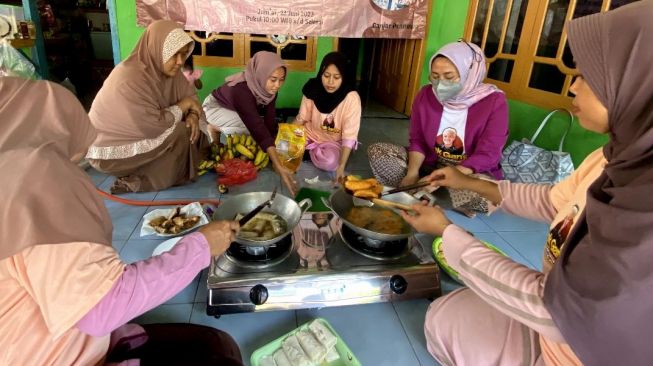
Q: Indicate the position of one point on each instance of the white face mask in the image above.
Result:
(445, 89)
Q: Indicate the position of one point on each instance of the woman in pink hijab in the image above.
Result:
(66, 294)
(456, 101)
(148, 116)
(246, 103)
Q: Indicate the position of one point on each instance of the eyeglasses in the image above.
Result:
(476, 56)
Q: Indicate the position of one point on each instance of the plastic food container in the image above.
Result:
(345, 356)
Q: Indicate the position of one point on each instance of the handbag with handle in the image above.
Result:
(523, 162)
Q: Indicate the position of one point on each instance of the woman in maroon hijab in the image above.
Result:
(592, 303)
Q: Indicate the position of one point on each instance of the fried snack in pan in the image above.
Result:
(365, 193)
(357, 185)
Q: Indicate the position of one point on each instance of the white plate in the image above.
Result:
(193, 209)
(165, 246)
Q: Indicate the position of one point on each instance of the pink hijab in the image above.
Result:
(470, 62)
(130, 106)
(48, 199)
(257, 73)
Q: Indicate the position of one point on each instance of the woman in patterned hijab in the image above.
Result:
(138, 111)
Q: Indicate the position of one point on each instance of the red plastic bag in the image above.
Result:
(235, 171)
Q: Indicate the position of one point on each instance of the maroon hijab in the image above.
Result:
(47, 199)
(600, 291)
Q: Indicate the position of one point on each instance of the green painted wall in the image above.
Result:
(447, 25)
(290, 94)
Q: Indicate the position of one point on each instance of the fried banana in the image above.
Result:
(365, 193)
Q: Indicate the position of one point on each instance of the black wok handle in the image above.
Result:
(252, 213)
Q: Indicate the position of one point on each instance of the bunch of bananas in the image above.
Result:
(240, 146)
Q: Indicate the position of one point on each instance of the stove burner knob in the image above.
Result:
(398, 284)
(258, 294)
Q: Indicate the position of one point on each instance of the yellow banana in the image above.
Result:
(229, 142)
(202, 172)
(218, 158)
(259, 157)
(263, 163)
(243, 138)
(252, 149)
(249, 140)
(243, 150)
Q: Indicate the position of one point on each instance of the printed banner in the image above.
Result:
(336, 18)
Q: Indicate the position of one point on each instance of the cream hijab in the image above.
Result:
(130, 106)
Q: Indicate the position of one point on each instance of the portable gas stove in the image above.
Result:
(322, 263)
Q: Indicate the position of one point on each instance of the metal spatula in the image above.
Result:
(369, 202)
(258, 209)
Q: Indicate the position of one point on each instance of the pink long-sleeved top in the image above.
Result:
(510, 287)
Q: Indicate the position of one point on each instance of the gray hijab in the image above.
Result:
(600, 291)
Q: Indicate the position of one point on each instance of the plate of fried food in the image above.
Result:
(175, 221)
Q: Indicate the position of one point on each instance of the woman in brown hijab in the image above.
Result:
(66, 294)
(592, 302)
(148, 116)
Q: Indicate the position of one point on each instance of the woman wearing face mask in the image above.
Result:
(591, 303)
(456, 99)
(246, 102)
(148, 117)
(331, 114)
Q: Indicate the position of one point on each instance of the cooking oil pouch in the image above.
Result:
(290, 144)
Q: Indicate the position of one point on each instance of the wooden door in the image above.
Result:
(393, 65)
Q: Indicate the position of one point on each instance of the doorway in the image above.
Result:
(387, 70)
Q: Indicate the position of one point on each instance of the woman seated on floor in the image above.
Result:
(457, 120)
(591, 304)
(66, 294)
(331, 114)
(148, 116)
(246, 102)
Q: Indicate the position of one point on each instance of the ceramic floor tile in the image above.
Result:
(373, 332)
(529, 244)
(411, 314)
(496, 240)
(166, 313)
(118, 245)
(97, 177)
(501, 221)
(204, 187)
(372, 108)
(447, 283)
(358, 160)
(250, 330)
(137, 250)
(140, 196)
(473, 225)
(125, 218)
(397, 131)
(202, 289)
(265, 180)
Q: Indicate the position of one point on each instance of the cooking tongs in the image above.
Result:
(409, 187)
(258, 209)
